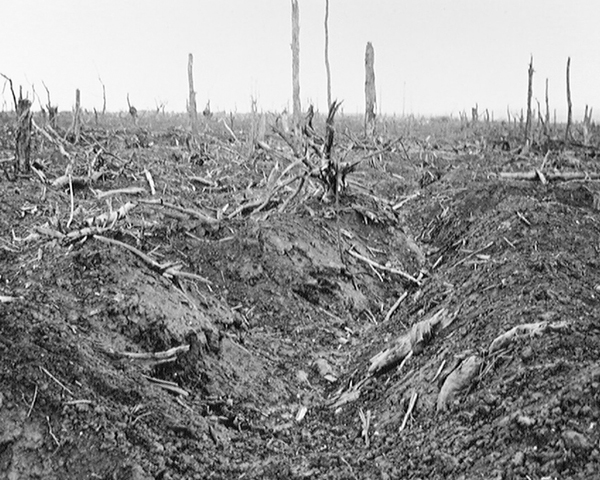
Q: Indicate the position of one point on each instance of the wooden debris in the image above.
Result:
(8, 299)
(301, 414)
(527, 329)
(458, 380)
(365, 420)
(412, 341)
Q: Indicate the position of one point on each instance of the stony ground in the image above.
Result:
(437, 321)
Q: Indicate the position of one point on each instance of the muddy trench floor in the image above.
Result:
(281, 326)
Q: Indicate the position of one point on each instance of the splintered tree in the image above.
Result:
(52, 109)
(370, 90)
(132, 110)
(528, 122)
(297, 109)
(192, 110)
(327, 68)
(569, 104)
(75, 129)
(23, 146)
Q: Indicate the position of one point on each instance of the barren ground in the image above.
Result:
(277, 376)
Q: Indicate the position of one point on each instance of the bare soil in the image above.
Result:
(281, 328)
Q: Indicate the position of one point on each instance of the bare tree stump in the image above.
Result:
(297, 109)
(23, 138)
(370, 98)
(192, 110)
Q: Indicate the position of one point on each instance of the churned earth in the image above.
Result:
(438, 320)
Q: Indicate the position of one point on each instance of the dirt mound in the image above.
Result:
(437, 321)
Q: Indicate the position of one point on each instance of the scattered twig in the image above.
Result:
(523, 219)
(166, 385)
(411, 406)
(472, 254)
(51, 432)
(33, 401)
(166, 354)
(57, 381)
(150, 181)
(365, 420)
(395, 306)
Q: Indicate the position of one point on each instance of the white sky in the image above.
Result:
(432, 57)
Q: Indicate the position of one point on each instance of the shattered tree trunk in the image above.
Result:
(297, 109)
(547, 111)
(370, 98)
(76, 127)
(192, 110)
(103, 97)
(327, 68)
(23, 140)
(528, 122)
(569, 104)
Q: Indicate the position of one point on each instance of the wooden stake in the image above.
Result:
(297, 109)
(370, 98)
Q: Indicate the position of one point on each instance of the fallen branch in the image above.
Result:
(169, 269)
(203, 217)
(550, 176)
(384, 268)
(119, 191)
(156, 357)
(204, 181)
(76, 181)
(110, 217)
